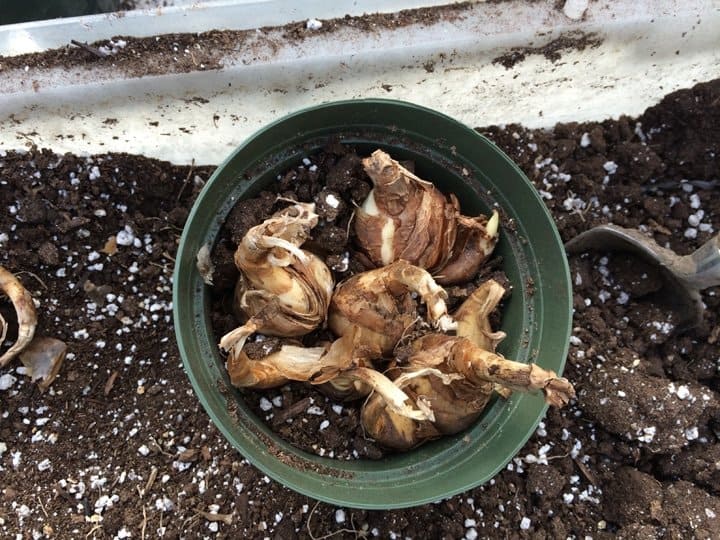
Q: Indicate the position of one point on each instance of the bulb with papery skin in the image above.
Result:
(276, 271)
(407, 218)
(379, 303)
(452, 379)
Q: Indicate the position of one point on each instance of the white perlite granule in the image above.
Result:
(7, 381)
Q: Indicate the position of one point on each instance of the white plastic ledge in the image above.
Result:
(649, 49)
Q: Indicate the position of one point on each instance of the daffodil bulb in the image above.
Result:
(380, 304)
(276, 270)
(452, 380)
(405, 217)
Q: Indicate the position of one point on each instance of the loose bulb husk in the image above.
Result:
(205, 265)
(26, 315)
(43, 357)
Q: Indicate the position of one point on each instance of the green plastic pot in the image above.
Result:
(536, 318)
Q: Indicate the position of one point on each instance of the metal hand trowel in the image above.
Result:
(685, 276)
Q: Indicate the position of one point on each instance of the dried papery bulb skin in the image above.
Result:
(275, 269)
(405, 217)
(205, 265)
(379, 303)
(42, 359)
(25, 311)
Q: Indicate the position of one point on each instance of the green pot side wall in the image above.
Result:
(537, 317)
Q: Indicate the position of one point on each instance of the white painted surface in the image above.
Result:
(575, 8)
(646, 53)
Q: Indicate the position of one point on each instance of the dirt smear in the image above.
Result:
(553, 50)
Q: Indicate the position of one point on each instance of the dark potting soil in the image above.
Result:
(120, 445)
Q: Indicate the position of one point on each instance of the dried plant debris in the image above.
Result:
(205, 265)
(387, 332)
(42, 359)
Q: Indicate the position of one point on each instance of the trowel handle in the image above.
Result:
(703, 265)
